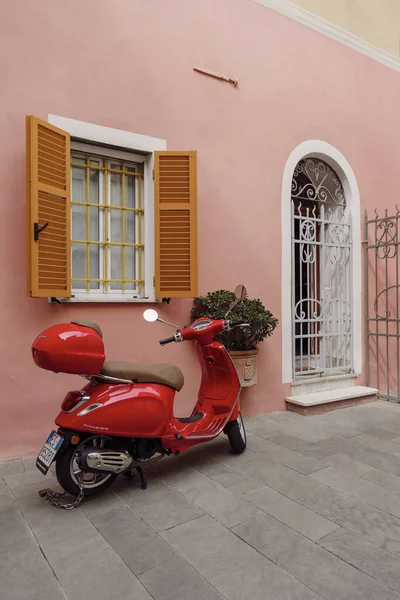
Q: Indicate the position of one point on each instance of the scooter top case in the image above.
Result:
(75, 348)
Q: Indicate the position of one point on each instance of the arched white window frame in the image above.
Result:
(335, 159)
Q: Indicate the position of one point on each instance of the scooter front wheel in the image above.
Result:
(68, 471)
(237, 435)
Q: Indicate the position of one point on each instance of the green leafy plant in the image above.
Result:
(261, 321)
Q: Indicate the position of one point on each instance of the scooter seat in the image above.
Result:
(164, 374)
(90, 325)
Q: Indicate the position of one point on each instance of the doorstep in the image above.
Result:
(308, 385)
(325, 400)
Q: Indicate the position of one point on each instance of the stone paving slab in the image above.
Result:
(351, 466)
(341, 479)
(311, 564)
(309, 511)
(384, 479)
(151, 507)
(233, 567)
(177, 580)
(140, 547)
(382, 434)
(284, 456)
(295, 515)
(365, 556)
(359, 517)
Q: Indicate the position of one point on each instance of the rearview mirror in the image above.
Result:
(150, 315)
(241, 292)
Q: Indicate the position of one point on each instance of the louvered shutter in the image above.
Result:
(175, 188)
(48, 209)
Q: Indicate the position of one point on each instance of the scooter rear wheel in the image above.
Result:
(237, 435)
(67, 469)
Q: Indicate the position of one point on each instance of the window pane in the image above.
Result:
(130, 200)
(115, 186)
(78, 222)
(115, 232)
(78, 191)
(130, 233)
(94, 266)
(79, 265)
(94, 224)
(130, 267)
(116, 266)
(94, 187)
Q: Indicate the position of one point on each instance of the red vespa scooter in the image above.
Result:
(123, 419)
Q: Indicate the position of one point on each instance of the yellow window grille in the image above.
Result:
(106, 224)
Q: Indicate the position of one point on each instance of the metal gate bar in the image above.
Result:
(382, 303)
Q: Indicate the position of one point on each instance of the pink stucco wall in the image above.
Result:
(129, 65)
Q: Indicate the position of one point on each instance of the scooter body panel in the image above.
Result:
(145, 410)
(127, 410)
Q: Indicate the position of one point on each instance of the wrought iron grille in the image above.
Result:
(321, 272)
(314, 180)
(382, 306)
(107, 223)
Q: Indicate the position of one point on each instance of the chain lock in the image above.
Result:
(52, 497)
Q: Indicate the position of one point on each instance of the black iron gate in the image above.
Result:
(382, 303)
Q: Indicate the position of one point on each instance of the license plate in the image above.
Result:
(49, 452)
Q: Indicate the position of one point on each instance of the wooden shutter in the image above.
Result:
(175, 188)
(48, 208)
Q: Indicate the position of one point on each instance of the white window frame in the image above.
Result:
(145, 146)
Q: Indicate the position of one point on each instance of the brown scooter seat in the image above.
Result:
(164, 374)
(90, 325)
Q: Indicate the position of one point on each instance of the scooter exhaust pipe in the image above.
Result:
(105, 461)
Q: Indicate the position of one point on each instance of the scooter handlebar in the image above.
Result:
(167, 341)
(237, 323)
(227, 325)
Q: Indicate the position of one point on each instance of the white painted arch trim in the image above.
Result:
(312, 21)
(338, 162)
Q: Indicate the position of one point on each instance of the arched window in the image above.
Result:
(321, 272)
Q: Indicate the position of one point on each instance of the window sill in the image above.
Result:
(104, 299)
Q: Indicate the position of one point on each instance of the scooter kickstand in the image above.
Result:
(129, 474)
(143, 482)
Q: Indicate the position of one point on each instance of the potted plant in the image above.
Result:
(241, 342)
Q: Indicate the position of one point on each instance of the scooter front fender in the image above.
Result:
(125, 410)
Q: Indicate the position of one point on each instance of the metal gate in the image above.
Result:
(382, 303)
(321, 272)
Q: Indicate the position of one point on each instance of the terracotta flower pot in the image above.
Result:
(246, 365)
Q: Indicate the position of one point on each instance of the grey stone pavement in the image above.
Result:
(311, 510)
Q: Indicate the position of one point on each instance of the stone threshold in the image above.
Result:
(325, 400)
(310, 385)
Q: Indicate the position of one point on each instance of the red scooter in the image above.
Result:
(123, 419)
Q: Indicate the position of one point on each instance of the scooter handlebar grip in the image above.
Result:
(167, 341)
(237, 323)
